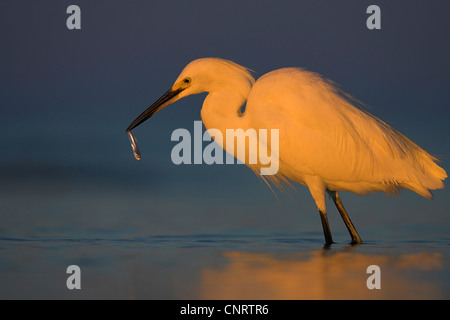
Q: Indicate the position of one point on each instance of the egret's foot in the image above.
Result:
(327, 246)
(356, 241)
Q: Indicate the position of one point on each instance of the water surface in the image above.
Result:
(200, 266)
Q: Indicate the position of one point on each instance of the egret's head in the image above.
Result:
(202, 75)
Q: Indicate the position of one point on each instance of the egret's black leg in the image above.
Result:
(326, 228)
(356, 239)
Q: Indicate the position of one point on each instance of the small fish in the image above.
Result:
(134, 145)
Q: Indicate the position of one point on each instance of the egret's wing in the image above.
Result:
(323, 131)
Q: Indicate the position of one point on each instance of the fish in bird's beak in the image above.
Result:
(160, 104)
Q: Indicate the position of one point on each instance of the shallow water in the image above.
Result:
(154, 230)
(273, 266)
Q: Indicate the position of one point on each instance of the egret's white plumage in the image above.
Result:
(327, 142)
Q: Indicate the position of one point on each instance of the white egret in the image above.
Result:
(326, 142)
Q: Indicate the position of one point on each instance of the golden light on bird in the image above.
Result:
(326, 142)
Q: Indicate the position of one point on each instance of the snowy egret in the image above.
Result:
(327, 142)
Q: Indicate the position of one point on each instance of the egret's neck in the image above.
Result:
(221, 110)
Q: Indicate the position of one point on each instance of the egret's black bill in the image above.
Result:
(154, 108)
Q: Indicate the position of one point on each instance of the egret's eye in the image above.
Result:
(187, 80)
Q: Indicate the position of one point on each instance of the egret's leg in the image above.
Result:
(326, 228)
(356, 239)
(317, 189)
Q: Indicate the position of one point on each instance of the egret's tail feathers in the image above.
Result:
(424, 177)
(389, 154)
(417, 189)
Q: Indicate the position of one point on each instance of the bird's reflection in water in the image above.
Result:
(322, 275)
